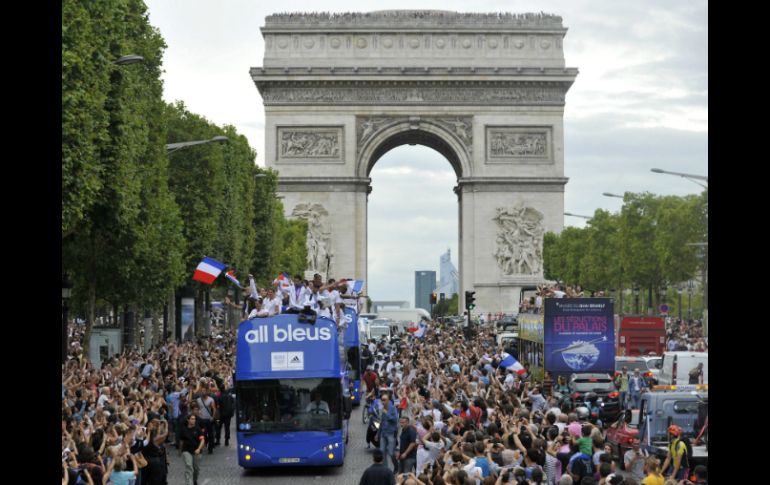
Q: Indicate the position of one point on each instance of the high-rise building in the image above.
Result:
(424, 285)
(450, 278)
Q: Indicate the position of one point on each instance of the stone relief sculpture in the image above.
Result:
(552, 94)
(318, 235)
(461, 126)
(519, 240)
(517, 144)
(414, 18)
(310, 144)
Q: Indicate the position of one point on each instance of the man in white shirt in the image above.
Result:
(317, 406)
(557, 293)
(298, 294)
(271, 306)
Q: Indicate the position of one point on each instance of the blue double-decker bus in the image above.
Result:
(289, 397)
(352, 343)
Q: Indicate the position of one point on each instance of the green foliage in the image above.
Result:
(290, 247)
(647, 245)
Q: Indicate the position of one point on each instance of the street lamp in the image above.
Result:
(689, 299)
(679, 290)
(172, 147)
(66, 293)
(608, 194)
(663, 293)
(636, 297)
(126, 60)
(577, 215)
(688, 176)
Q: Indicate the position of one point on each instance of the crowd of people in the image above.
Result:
(452, 414)
(458, 417)
(121, 420)
(685, 335)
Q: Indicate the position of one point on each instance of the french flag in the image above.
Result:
(230, 275)
(509, 362)
(283, 281)
(208, 270)
(422, 327)
(357, 286)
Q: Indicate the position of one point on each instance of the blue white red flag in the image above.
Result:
(283, 281)
(230, 275)
(357, 286)
(509, 362)
(208, 270)
(421, 328)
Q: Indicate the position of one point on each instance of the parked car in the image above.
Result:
(600, 384)
(507, 323)
(676, 367)
(648, 366)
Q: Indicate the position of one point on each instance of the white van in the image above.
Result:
(676, 367)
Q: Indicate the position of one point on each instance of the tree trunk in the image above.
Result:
(171, 321)
(89, 319)
(157, 328)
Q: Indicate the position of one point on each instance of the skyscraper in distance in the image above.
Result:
(424, 285)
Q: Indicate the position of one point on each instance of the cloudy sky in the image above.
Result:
(639, 102)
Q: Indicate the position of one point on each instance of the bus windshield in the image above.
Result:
(276, 405)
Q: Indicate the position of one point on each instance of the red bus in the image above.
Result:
(640, 336)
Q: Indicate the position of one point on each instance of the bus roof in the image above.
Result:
(281, 347)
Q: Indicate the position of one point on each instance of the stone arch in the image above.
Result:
(434, 134)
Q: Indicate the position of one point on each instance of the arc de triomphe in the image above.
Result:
(485, 90)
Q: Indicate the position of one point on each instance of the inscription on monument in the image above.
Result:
(323, 143)
(520, 144)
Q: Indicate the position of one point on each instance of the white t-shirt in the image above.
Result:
(272, 307)
(558, 294)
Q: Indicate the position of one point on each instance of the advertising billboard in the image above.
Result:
(531, 327)
(188, 319)
(579, 335)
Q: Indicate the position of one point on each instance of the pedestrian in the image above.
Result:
(378, 473)
(407, 450)
(652, 469)
(208, 414)
(677, 456)
(696, 374)
(193, 440)
(621, 383)
(388, 428)
(635, 385)
(634, 460)
(226, 406)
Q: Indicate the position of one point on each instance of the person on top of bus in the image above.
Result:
(317, 405)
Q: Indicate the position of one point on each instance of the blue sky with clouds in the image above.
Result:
(639, 102)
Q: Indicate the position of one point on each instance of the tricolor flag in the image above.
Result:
(208, 270)
(509, 362)
(230, 275)
(422, 327)
(356, 286)
(283, 281)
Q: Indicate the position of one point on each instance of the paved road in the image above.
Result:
(222, 467)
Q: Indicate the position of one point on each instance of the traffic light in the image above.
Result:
(469, 300)
(433, 299)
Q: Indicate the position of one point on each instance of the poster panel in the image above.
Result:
(579, 335)
(188, 319)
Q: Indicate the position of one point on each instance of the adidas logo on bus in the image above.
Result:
(261, 335)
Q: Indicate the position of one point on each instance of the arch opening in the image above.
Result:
(416, 137)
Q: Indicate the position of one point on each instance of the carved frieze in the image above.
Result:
(379, 93)
(519, 144)
(413, 18)
(310, 142)
(519, 240)
(460, 126)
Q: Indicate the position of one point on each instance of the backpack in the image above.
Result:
(582, 467)
(687, 457)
